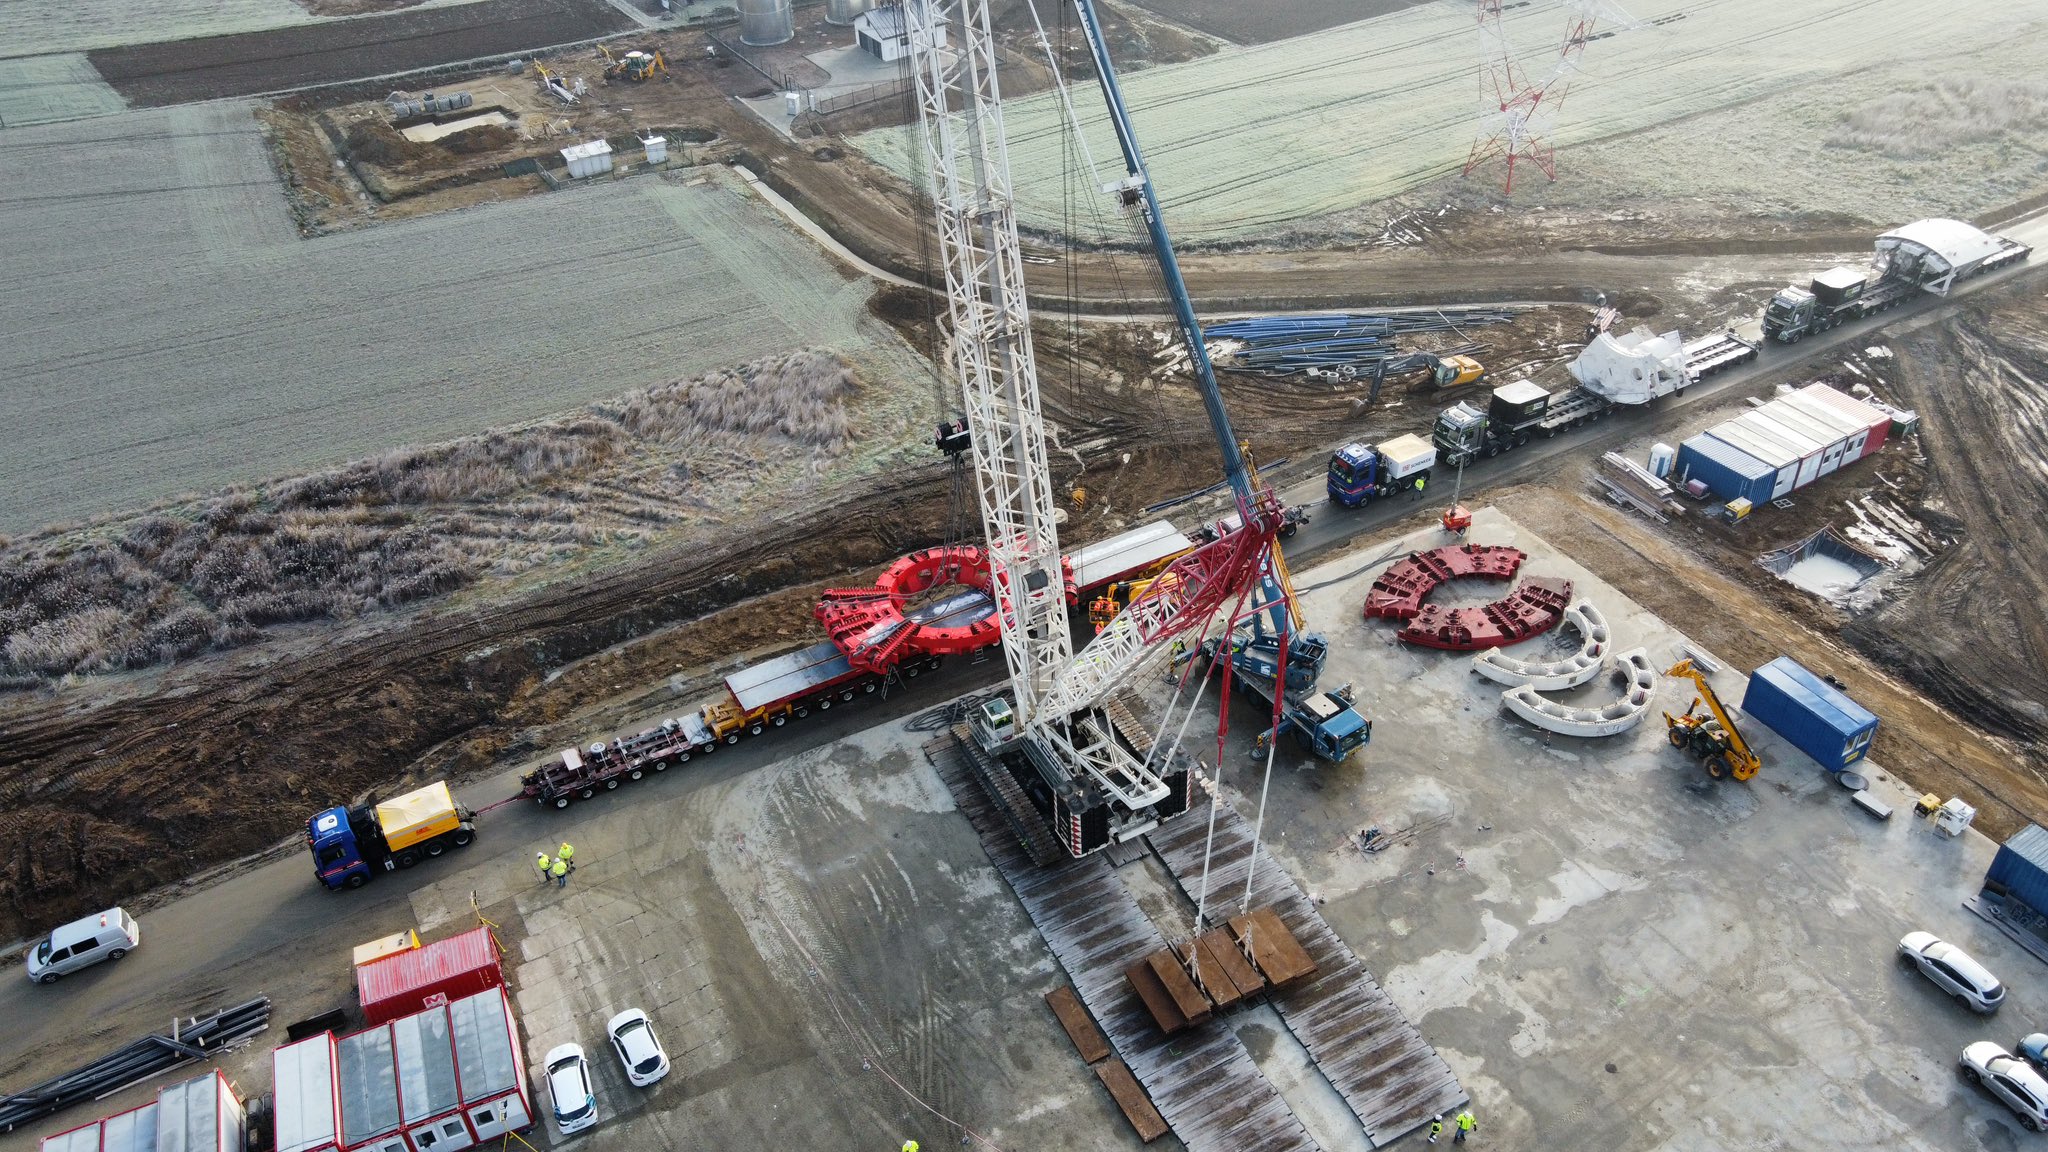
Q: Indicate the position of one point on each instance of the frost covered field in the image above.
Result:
(1252, 139)
(164, 329)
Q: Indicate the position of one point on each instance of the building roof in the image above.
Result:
(1729, 456)
(587, 149)
(406, 973)
(1818, 698)
(1957, 243)
(881, 23)
(302, 1083)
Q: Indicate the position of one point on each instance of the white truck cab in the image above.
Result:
(107, 935)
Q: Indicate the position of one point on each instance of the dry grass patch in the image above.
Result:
(409, 525)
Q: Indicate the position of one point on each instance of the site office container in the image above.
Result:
(1855, 433)
(435, 973)
(441, 1080)
(1833, 441)
(1877, 421)
(1803, 448)
(2020, 870)
(1783, 462)
(1816, 717)
(198, 1115)
(1727, 471)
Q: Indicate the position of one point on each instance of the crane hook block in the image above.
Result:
(953, 437)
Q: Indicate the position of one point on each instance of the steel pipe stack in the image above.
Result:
(1333, 342)
(198, 1038)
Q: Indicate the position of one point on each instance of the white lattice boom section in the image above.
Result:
(960, 112)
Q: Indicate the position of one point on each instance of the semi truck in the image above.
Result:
(1360, 473)
(350, 845)
(1924, 256)
(1613, 372)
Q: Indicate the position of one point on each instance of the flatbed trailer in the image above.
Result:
(768, 695)
(1721, 351)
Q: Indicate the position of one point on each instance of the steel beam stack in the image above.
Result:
(198, 1038)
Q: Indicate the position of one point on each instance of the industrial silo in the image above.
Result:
(765, 22)
(843, 11)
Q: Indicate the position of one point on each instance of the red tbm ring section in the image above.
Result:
(1400, 590)
(872, 627)
(1531, 609)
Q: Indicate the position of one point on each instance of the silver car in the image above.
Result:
(2010, 1079)
(638, 1049)
(1953, 971)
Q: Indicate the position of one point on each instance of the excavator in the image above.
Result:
(635, 66)
(1711, 736)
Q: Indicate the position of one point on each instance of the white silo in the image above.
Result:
(843, 12)
(765, 22)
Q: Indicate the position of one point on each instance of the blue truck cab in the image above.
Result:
(1353, 476)
(337, 848)
(1360, 472)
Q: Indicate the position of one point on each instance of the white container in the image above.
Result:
(1953, 817)
(1406, 455)
(657, 149)
(1662, 457)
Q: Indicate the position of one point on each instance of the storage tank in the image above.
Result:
(843, 11)
(765, 22)
(1662, 456)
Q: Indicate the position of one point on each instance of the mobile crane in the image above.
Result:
(1711, 736)
(1058, 736)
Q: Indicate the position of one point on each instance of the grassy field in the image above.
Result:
(166, 330)
(1251, 142)
(35, 27)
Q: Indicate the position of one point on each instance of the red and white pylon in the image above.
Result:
(1517, 117)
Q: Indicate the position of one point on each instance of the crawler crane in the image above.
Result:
(1058, 733)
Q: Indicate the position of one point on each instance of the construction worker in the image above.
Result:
(1465, 1125)
(567, 855)
(541, 861)
(1436, 1127)
(910, 1146)
(561, 873)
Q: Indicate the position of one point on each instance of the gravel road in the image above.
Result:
(170, 332)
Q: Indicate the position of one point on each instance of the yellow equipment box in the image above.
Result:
(416, 816)
(384, 946)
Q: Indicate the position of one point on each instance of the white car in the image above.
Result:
(633, 1039)
(2010, 1079)
(569, 1088)
(1953, 971)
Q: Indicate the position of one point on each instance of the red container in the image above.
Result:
(436, 973)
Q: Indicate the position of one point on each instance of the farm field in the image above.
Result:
(1255, 141)
(268, 61)
(35, 27)
(1273, 20)
(178, 335)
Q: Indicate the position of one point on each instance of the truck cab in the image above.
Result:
(1353, 476)
(349, 845)
(336, 837)
(1459, 434)
(1328, 726)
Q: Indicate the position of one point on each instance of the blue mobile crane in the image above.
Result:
(1268, 648)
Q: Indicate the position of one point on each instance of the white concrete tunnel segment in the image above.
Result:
(1639, 687)
(1554, 675)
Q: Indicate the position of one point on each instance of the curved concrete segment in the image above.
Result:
(1639, 681)
(1554, 675)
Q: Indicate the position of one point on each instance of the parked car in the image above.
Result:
(2010, 1079)
(1953, 971)
(638, 1050)
(82, 943)
(2034, 1049)
(569, 1089)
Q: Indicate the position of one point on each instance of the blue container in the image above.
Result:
(1816, 717)
(1727, 471)
(2020, 870)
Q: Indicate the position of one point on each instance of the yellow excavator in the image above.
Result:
(635, 66)
(1711, 736)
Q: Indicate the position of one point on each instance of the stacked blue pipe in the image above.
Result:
(1286, 345)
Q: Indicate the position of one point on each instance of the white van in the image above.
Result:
(108, 935)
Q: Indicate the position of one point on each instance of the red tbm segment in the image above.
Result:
(870, 624)
(1531, 609)
(1400, 590)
